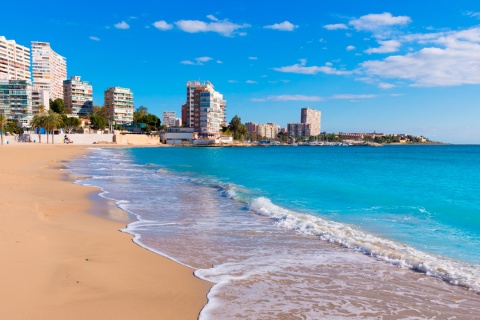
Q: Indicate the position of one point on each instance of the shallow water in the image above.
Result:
(308, 233)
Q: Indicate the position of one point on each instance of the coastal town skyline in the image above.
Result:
(383, 67)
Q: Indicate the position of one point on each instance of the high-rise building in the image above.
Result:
(119, 105)
(298, 130)
(40, 97)
(49, 69)
(78, 96)
(169, 119)
(313, 118)
(269, 130)
(14, 60)
(205, 108)
(16, 100)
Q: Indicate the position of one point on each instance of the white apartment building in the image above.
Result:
(14, 60)
(119, 105)
(313, 118)
(269, 130)
(169, 119)
(16, 100)
(49, 69)
(40, 97)
(209, 110)
(78, 96)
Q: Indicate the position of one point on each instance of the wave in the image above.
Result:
(453, 271)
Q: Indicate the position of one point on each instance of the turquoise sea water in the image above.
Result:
(239, 214)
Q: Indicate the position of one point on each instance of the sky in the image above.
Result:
(369, 66)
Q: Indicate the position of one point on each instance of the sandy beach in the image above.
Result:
(60, 261)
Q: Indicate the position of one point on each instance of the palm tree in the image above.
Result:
(53, 121)
(3, 121)
(38, 122)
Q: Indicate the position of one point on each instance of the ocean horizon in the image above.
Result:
(308, 232)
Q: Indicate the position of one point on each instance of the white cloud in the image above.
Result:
(251, 82)
(219, 61)
(351, 48)
(385, 47)
(212, 17)
(284, 26)
(373, 22)
(336, 26)
(253, 58)
(296, 97)
(232, 81)
(352, 96)
(473, 14)
(453, 58)
(133, 18)
(385, 86)
(200, 61)
(301, 68)
(94, 38)
(162, 25)
(223, 27)
(122, 25)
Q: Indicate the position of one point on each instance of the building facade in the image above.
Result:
(299, 130)
(78, 96)
(49, 69)
(40, 98)
(14, 60)
(169, 119)
(251, 127)
(313, 118)
(119, 105)
(16, 100)
(269, 130)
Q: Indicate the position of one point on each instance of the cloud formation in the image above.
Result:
(283, 26)
(385, 47)
(350, 48)
(200, 61)
(301, 68)
(162, 25)
(373, 22)
(223, 27)
(336, 26)
(296, 97)
(94, 38)
(122, 25)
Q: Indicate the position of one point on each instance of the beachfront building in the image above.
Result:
(16, 100)
(49, 69)
(251, 127)
(268, 131)
(298, 130)
(313, 118)
(40, 98)
(78, 96)
(119, 105)
(178, 122)
(205, 108)
(14, 60)
(169, 119)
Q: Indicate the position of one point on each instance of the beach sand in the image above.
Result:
(60, 261)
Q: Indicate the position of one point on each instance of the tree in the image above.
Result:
(98, 122)
(53, 121)
(70, 123)
(237, 128)
(57, 106)
(3, 121)
(37, 122)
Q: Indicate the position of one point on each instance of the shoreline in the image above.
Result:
(65, 261)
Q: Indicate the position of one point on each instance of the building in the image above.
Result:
(178, 122)
(269, 130)
(251, 127)
(205, 108)
(16, 100)
(298, 130)
(169, 119)
(313, 118)
(49, 69)
(14, 60)
(40, 97)
(78, 96)
(119, 105)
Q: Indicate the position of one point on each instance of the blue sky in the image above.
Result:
(385, 66)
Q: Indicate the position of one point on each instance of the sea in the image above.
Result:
(307, 232)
